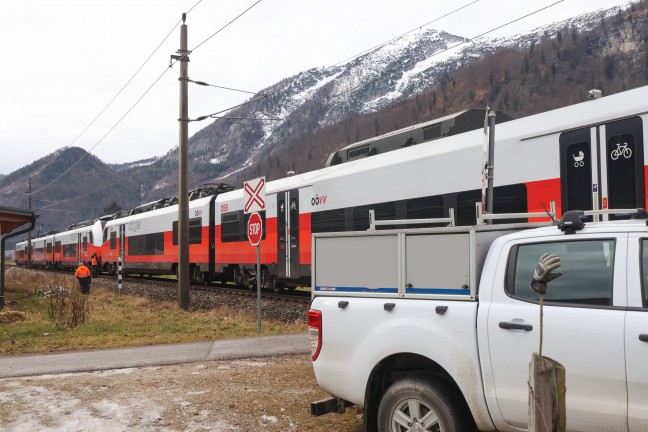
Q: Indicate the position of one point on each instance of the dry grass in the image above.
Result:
(110, 320)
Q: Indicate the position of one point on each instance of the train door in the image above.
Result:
(78, 248)
(288, 233)
(603, 166)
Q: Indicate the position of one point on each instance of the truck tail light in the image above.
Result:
(315, 332)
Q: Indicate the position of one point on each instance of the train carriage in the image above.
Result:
(586, 156)
(41, 251)
(148, 241)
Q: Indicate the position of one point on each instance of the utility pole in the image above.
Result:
(491, 162)
(29, 236)
(183, 192)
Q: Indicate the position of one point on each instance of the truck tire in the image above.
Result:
(419, 404)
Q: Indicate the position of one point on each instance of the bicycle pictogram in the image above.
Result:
(621, 150)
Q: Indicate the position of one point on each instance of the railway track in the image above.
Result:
(296, 296)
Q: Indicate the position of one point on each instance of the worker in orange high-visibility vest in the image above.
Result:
(84, 276)
(95, 264)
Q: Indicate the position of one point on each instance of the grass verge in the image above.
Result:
(112, 321)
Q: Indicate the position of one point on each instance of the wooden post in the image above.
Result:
(547, 411)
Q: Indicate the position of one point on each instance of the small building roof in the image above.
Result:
(11, 218)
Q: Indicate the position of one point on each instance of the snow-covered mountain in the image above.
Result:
(324, 96)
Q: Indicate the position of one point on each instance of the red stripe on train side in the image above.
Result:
(543, 192)
(305, 241)
(243, 252)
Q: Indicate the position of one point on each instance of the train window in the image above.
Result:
(195, 231)
(57, 247)
(90, 238)
(506, 199)
(49, 248)
(511, 199)
(113, 240)
(231, 226)
(466, 214)
(69, 250)
(382, 211)
(424, 208)
(85, 243)
(328, 221)
(234, 226)
(146, 244)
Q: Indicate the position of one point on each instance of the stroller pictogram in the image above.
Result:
(578, 160)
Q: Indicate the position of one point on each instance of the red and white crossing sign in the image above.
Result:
(254, 195)
(255, 229)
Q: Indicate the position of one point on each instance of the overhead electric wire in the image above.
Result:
(201, 118)
(226, 25)
(406, 33)
(105, 135)
(47, 207)
(202, 83)
(114, 97)
(497, 28)
(110, 103)
(486, 32)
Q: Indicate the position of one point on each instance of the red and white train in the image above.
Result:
(64, 250)
(585, 156)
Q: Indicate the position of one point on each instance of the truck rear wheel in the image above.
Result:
(419, 404)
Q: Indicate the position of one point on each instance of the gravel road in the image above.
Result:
(263, 394)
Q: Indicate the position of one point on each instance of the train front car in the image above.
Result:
(147, 241)
(78, 243)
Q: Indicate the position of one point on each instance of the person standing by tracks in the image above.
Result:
(84, 276)
(95, 264)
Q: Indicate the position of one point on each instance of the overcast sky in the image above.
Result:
(64, 60)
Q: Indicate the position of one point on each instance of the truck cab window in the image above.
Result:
(586, 267)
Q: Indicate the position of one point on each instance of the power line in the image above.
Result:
(114, 97)
(497, 28)
(486, 32)
(406, 33)
(201, 118)
(226, 25)
(105, 135)
(202, 83)
(110, 103)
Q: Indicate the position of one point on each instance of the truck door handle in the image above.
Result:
(643, 337)
(515, 326)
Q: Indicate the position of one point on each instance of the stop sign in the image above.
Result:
(255, 229)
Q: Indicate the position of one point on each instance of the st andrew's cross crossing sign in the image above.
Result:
(254, 195)
(255, 229)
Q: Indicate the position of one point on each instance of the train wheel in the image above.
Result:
(278, 287)
(196, 276)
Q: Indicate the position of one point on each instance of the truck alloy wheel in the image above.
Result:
(418, 404)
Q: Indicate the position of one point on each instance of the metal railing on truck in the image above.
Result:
(440, 263)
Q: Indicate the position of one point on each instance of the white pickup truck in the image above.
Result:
(433, 329)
